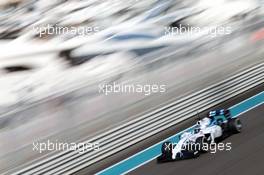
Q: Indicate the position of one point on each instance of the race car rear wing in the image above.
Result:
(224, 112)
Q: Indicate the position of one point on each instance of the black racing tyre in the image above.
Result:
(166, 150)
(199, 144)
(196, 154)
(235, 125)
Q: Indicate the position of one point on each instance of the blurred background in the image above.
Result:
(55, 54)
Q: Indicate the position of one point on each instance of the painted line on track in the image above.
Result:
(152, 152)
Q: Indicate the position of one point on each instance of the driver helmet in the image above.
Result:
(205, 122)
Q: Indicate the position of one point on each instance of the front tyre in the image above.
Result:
(166, 152)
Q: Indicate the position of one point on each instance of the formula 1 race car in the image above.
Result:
(215, 127)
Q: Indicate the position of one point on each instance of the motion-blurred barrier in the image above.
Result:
(119, 138)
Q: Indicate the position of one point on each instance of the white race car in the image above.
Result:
(216, 126)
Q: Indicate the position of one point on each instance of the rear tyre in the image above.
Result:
(235, 125)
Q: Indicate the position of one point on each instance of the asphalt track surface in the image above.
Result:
(245, 157)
